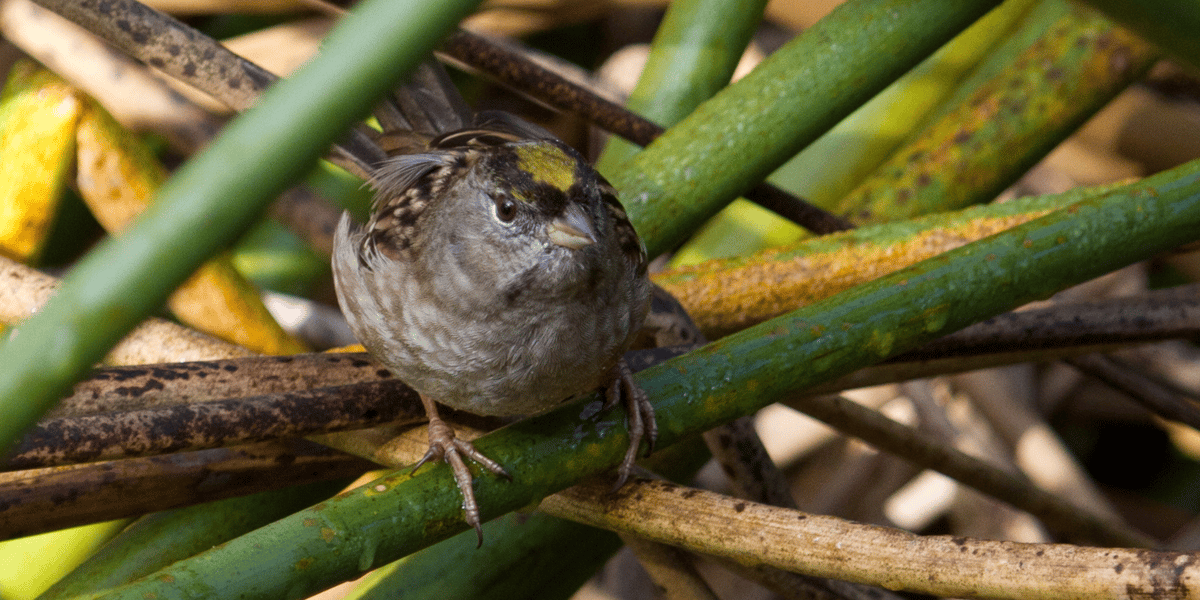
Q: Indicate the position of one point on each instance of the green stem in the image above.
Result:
(519, 551)
(726, 295)
(1031, 28)
(751, 127)
(827, 169)
(159, 539)
(696, 49)
(1009, 123)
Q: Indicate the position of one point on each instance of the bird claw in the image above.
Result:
(642, 424)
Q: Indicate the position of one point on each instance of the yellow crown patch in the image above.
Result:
(546, 163)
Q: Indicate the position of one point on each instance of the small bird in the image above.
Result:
(498, 275)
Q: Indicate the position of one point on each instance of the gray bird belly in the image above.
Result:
(509, 367)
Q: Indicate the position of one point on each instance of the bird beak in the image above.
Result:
(571, 230)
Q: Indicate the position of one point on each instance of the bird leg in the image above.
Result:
(642, 424)
(445, 446)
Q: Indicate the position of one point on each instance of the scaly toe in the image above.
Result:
(462, 477)
(468, 450)
(445, 445)
(640, 415)
(452, 451)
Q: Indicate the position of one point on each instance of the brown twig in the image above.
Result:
(1065, 518)
(830, 547)
(311, 217)
(1006, 398)
(1151, 393)
(1151, 316)
(754, 476)
(123, 86)
(168, 44)
(751, 471)
(40, 500)
(898, 439)
(165, 43)
(673, 570)
(148, 387)
(212, 424)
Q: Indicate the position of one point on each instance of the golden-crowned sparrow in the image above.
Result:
(498, 275)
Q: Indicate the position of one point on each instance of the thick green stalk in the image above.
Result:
(984, 144)
(520, 550)
(827, 169)
(751, 127)
(526, 556)
(694, 53)
(1032, 27)
(157, 540)
(399, 514)
(726, 295)
(212, 200)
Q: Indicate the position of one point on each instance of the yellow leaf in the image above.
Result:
(38, 115)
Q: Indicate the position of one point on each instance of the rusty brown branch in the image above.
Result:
(212, 424)
(41, 500)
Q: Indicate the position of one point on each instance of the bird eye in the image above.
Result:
(506, 209)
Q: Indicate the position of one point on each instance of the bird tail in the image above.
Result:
(425, 107)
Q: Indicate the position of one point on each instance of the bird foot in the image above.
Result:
(642, 425)
(444, 445)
